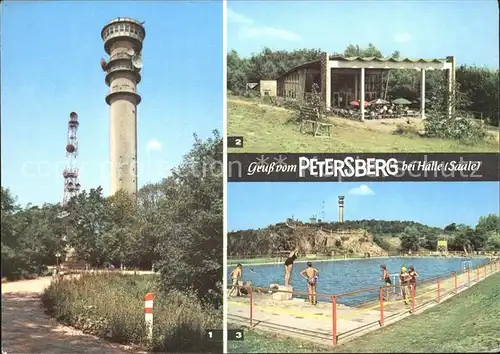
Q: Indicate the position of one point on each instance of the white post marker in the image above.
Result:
(148, 314)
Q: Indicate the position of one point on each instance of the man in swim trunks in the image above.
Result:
(404, 279)
(236, 276)
(311, 275)
(289, 265)
(386, 277)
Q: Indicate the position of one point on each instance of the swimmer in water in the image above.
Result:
(289, 265)
(311, 274)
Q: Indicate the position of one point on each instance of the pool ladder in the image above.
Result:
(394, 277)
(466, 265)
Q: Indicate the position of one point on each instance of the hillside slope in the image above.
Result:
(267, 128)
(310, 238)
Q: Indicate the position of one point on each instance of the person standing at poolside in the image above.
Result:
(404, 280)
(413, 280)
(311, 275)
(289, 265)
(386, 277)
(236, 275)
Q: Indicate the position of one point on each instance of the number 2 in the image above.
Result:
(237, 142)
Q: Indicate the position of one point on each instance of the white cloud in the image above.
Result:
(361, 190)
(248, 29)
(403, 37)
(154, 145)
(233, 16)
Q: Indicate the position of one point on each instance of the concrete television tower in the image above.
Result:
(341, 209)
(123, 39)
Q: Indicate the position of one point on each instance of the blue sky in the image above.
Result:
(467, 29)
(50, 67)
(257, 205)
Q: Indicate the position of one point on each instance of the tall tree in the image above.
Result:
(191, 248)
(89, 224)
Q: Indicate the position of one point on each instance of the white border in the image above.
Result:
(224, 164)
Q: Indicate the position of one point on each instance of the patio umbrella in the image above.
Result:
(379, 101)
(401, 101)
(356, 103)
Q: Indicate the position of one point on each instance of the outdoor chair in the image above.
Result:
(311, 120)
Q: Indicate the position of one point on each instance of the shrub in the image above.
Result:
(112, 306)
(382, 243)
(406, 130)
(465, 129)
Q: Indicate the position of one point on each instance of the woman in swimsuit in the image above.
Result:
(311, 275)
(289, 265)
(413, 280)
(386, 277)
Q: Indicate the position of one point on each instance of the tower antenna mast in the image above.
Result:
(71, 173)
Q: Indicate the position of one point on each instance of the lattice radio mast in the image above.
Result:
(70, 173)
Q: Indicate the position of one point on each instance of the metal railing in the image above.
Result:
(431, 291)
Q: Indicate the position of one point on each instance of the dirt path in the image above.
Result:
(27, 329)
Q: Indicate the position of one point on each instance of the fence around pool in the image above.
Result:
(335, 322)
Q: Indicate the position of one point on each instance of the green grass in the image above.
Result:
(265, 129)
(111, 306)
(468, 322)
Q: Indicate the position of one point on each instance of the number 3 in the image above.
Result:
(238, 335)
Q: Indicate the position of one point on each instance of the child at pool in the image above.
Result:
(311, 274)
(404, 280)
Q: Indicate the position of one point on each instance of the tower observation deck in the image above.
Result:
(123, 39)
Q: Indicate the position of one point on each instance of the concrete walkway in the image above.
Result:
(27, 329)
(299, 319)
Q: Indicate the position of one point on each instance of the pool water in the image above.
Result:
(337, 277)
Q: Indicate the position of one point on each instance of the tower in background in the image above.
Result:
(70, 173)
(341, 209)
(71, 189)
(123, 39)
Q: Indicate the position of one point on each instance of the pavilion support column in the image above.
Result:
(328, 87)
(356, 93)
(362, 94)
(422, 93)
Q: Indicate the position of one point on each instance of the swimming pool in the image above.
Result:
(337, 277)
